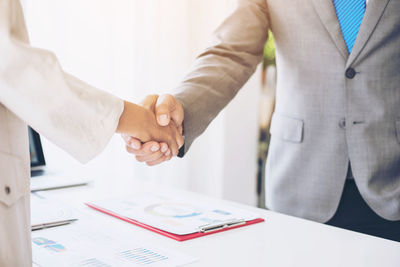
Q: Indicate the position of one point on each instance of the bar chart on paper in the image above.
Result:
(133, 257)
(142, 256)
(84, 245)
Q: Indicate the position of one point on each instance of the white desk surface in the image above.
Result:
(280, 241)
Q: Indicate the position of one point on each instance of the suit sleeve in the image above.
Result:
(223, 68)
(75, 116)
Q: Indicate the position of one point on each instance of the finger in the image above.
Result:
(135, 151)
(150, 157)
(179, 140)
(146, 149)
(164, 107)
(159, 161)
(174, 147)
(125, 137)
(167, 109)
(175, 140)
(130, 150)
(135, 143)
(164, 147)
(131, 141)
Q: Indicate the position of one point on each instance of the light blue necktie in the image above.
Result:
(350, 14)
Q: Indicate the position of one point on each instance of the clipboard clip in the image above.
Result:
(221, 225)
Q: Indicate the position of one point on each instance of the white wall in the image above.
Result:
(135, 47)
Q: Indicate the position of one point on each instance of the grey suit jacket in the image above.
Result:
(324, 118)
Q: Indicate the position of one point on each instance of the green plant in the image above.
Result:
(269, 51)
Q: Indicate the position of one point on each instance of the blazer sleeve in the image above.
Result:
(223, 68)
(75, 116)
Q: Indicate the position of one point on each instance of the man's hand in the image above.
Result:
(168, 112)
(141, 123)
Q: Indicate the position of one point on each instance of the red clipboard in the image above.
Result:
(168, 234)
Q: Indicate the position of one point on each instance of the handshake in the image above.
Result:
(153, 130)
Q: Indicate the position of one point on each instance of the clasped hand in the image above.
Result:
(161, 142)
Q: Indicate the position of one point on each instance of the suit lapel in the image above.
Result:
(373, 13)
(327, 14)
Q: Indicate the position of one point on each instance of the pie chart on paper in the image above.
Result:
(173, 210)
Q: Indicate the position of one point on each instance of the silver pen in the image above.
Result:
(222, 225)
(52, 224)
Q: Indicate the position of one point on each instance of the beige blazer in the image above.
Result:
(331, 107)
(35, 90)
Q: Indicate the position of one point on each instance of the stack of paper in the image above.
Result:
(83, 244)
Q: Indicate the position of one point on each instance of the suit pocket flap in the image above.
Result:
(12, 179)
(286, 128)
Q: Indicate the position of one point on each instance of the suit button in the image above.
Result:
(7, 189)
(350, 73)
(342, 123)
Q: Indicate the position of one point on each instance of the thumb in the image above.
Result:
(167, 109)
